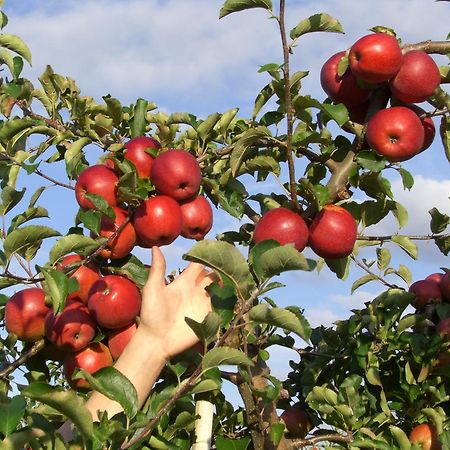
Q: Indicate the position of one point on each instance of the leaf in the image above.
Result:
(260, 163)
(225, 259)
(65, 401)
(114, 385)
(16, 45)
(74, 155)
(439, 221)
(316, 22)
(223, 443)
(72, 243)
(57, 288)
(370, 161)
(262, 98)
(10, 198)
(281, 318)
(338, 113)
(207, 330)
(339, 266)
(225, 356)
(231, 6)
(91, 219)
(11, 414)
(406, 244)
(206, 127)
(383, 258)
(407, 178)
(400, 213)
(443, 244)
(132, 268)
(138, 122)
(362, 281)
(15, 126)
(114, 109)
(27, 240)
(445, 135)
(401, 437)
(30, 214)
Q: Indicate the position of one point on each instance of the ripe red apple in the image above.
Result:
(135, 152)
(86, 275)
(25, 314)
(443, 328)
(332, 233)
(124, 242)
(426, 436)
(428, 126)
(92, 358)
(341, 89)
(395, 133)
(417, 78)
(435, 277)
(114, 301)
(72, 329)
(427, 291)
(297, 421)
(118, 339)
(157, 221)
(99, 180)
(375, 58)
(444, 284)
(176, 173)
(284, 226)
(196, 218)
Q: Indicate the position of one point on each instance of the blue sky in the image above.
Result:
(178, 54)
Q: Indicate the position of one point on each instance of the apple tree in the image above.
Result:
(142, 177)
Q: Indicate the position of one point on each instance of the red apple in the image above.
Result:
(114, 301)
(444, 285)
(157, 221)
(176, 173)
(85, 275)
(417, 78)
(426, 436)
(25, 314)
(395, 133)
(196, 218)
(375, 58)
(443, 328)
(435, 277)
(427, 291)
(284, 226)
(332, 233)
(72, 329)
(124, 242)
(297, 421)
(118, 339)
(99, 180)
(428, 126)
(92, 358)
(341, 89)
(135, 152)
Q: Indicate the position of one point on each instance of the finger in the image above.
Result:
(192, 271)
(157, 274)
(208, 279)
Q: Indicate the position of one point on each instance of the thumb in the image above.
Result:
(157, 276)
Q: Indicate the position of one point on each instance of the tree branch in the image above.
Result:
(35, 349)
(338, 438)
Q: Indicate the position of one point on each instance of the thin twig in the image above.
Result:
(366, 269)
(339, 438)
(36, 348)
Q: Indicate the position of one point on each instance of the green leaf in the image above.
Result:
(439, 221)
(225, 121)
(27, 240)
(91, 220)
(338, 113)
(407, 178)
(262, 98)
(74, 155)
(225, 356)
(57, 288)
(223, 443)
(339, 266)
(225, 259)
(65, 401)
(370, 161)
(207, 330)
(260, 163)
(281, 318)
(10, 198)
(383, 258)
(404, 273)
(317, 22)
(72, 243)
(206, 127)
(114, 385)
(139, 122)
(362, 281)
(231, 6)
(401, 437)
(11, 413)
(30, 214)
(15, 126)
(132, 268)
(445, 135)
(443, 244)
(406, 244)
(100, 204)
(400, 213)
(16, 45)
(114, 109)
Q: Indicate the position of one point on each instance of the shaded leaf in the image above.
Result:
(11, 413)
(362, 281)
(207, 330)
(30, 214)
(16, 45)
(317, 22)
(72, 243)
(231, 6)
(56, 288)
(225, 356)
(439, 221)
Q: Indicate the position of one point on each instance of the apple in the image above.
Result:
(25, 314)
(118, 339)
(297, 421)
(284, 226)
(417, 78)
(91, 358)
(341, 89)
(100, 180)
(124, 242)
(176, 173)
(426, 436)
(428, 126)
(135, 152)
(375, 58)
(72, 329)
(196, 218)
(395, 133)
(114, 301)
(332, 233)
(85, 275)
(444, 284)
(443, 328)
(157, 221)
(427, 291)
(435, 277)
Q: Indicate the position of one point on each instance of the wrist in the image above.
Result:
(152, 343)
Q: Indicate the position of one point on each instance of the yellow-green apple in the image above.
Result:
(25, 314)
(341, 88)
(157, 221)
(297, 421)
(72, 329)
(375, 58)
(332, 233)
(91, 358)
(137, 154)
(176, 173)
(284, 226)
(196, 218)
(118, 339)
(426, 436)
(395, 133)
(114, 301)
(100, 180)
(444, 284)
(85, 275)
(427, 291)
(417, 78)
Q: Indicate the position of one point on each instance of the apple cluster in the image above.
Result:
(403, 129)
(331, 234)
